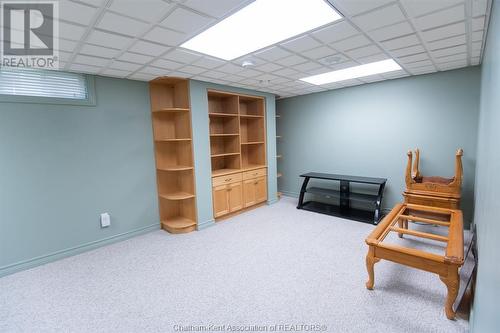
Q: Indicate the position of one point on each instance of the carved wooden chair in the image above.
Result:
(433, 191)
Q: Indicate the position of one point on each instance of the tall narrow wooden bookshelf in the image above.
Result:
(171, 117)
(238, 151)
(279, 156)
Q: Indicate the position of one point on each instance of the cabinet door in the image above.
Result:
(249, 192)
(221, 202)
(235, 197)
(260, 189)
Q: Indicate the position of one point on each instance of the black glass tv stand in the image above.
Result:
(344, 209)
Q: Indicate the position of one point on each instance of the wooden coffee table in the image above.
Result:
(446, 266)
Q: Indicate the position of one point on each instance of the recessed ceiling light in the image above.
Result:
(373, 68)
(260, 24)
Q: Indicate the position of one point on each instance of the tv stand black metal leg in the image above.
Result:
(377, 215)
(302, 192)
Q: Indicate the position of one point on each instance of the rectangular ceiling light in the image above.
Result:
(373, 68)
(260, 24)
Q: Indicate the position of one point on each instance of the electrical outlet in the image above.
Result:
(105, 220)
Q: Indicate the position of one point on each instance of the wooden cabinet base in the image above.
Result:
(227, 216)
(178, 225)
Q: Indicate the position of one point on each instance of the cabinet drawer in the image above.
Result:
(229, 179)
(255, 173)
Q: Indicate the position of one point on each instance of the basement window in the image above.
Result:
(45, 86)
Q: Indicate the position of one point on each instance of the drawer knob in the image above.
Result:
(228, 179)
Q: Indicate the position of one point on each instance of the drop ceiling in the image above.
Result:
(139, 40)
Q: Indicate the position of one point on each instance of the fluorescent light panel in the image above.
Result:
(373, 68)
(260, 24)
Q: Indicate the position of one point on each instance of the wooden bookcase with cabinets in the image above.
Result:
(238, 151)
(171, 118)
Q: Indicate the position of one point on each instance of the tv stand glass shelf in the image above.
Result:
(344, 200)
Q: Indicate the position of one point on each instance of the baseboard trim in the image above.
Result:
(290, 194)
(272, 201)
(41, 260)
(206, 224)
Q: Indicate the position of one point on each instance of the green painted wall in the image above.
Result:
(62, 165)
(367, 130)
(199, 110)
(486, 317)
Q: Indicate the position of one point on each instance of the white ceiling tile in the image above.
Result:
(150, 70)
(268, 67)
(135, 58)
(71, 31)
(272, 53)
(363, 51)
(420, 7)
(208, 62)
(379, 17)
(100, 51)
(395, 74)
(475, 53)
(301, 44)
(440, 18)
(84, 68)
(95, 3)
(444, 32)
(475, 61)
(94, 61)
(165, 36)
(354, 7)
(247, 72)
(215, 74)
(414, 58)
(230, 68)
(286, 72)
(217, 8)
(319, 52)
(478, 23)
(125, 66)
(192, 69)
(307, 66)
(392, 31)
(182, 56)
(418, 64)
(108, 39)
(477, 36)
(185, 21)
(479, 7)
(142, 77)
(442, 43)
(408, 51)
(455, 57)
(335, 32)
(146, 10)
(234, 78)
(452, 65)
(373, 58)
(477, 45)
(67, 45)
(76, 12)
(351, 43)
(398, 43)
(167, 64)
(450, 51)
(121, 24)
(115, 73)
(422, 70)
(64, 57)
(148, 48)
(292, 60)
